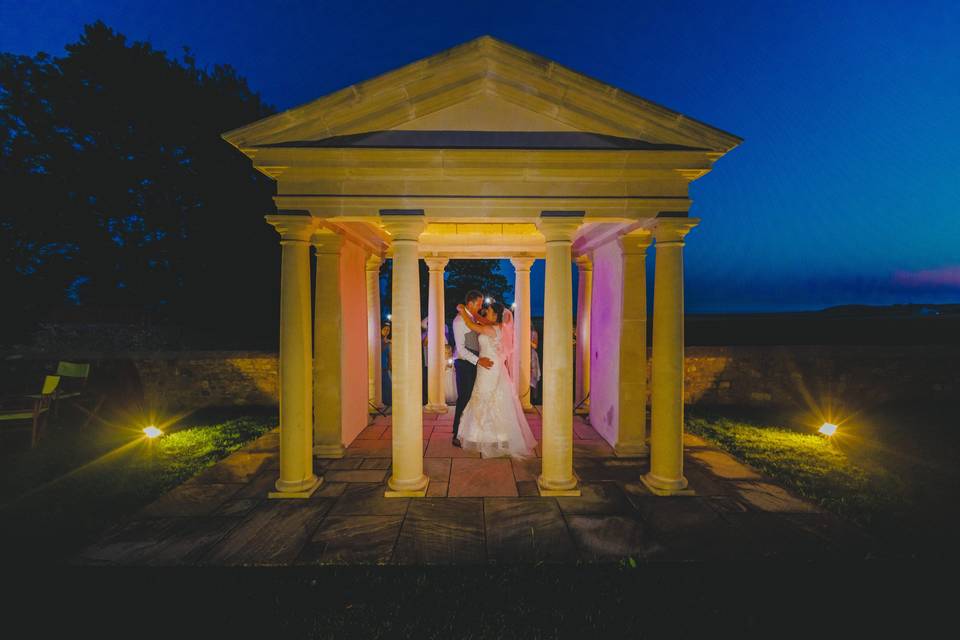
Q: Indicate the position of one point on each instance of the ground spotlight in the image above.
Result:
(152, 432)
(828, 429)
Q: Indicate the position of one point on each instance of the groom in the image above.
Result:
(466, 358)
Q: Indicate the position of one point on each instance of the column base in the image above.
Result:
(662, 487)
(435, 408)
(565, 488)
(415, 489)
(334, 451)
(376, 407)
(301, 489)
(631, 450)
(582, 410)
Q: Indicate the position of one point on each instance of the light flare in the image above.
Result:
(152, 432)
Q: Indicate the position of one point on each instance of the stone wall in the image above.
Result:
(778, 375)
(605, 340)
(177, 381)
(762, 375)
(804, 375)
(157, 381)
(354, 384)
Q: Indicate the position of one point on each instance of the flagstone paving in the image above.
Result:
(476, 511)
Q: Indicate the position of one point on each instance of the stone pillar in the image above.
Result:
(584, 302)
(297, 479)
(436, 362)
(632, 429)
(327, 347)
(407, 478)
(374, 372)
(521, 296)
(666, 423)
(556, 478)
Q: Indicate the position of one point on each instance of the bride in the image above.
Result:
(493, 421)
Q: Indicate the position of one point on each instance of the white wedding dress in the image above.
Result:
(493, 422)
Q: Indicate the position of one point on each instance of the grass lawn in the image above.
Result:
(56, 498)
(890, 469)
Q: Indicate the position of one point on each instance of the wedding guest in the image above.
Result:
(424, 333)
(425, 343)
(449, 376)
(534, 366)
(386, 364)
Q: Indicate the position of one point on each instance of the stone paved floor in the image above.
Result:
(477, 511)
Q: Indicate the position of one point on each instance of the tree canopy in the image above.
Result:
(461, 276)
(123, 204)
(121, 199)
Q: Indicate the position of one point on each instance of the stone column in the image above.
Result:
(407, 479)
(584, 302)
(666, 423)
(556, 478)
(327, 347)
(297, 479)
(374, 368)
(436, 363)
(521, 296)
(632, 430)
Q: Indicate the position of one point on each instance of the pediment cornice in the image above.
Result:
(484, 66)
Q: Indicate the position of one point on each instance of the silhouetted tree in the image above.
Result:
(461, 277)
(464, 275)
(120, 195)
(122, 202)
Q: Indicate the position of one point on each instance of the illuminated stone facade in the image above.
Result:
(482, 151)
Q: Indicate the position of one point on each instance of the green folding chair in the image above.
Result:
(37, 414)
(74, 386)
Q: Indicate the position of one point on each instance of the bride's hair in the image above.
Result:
(498, 309)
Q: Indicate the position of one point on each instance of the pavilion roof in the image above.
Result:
(533, 140)
(604, 115)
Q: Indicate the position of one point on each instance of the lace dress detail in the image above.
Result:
(493, 422)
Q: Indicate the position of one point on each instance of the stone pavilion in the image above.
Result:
(481, 151)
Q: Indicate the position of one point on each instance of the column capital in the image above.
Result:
(671, 231)
(584, 262)
(522, 263)
(404, 227)
(559, 228)
(373, 262)
(292, 228)
(636, 242)
(436, 263)
(326, 241)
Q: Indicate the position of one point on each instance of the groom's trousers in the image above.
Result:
(466, 375)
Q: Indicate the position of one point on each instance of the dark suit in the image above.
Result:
(466, 375)
(466, 371)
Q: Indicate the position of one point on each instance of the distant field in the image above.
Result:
(819, 328)
(846, 325)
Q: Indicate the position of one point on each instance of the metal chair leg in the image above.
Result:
(35, 431)
(91, 414)
(584, 416)
(378, 410)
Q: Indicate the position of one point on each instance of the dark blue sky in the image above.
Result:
(846, 189)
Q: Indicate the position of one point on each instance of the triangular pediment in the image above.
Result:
(482, 85)
(485, 113)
